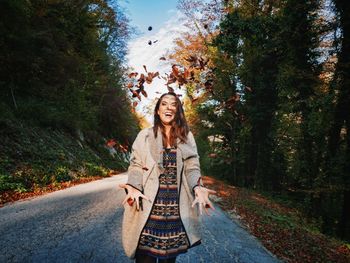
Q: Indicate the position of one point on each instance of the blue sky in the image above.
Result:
(168, 24)
(144, 13)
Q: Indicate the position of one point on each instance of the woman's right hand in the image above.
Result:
(133, 195)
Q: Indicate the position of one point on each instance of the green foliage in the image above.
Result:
(61, 91)
(62, 174)
(95, 170)
(7, 183)
(63, 65)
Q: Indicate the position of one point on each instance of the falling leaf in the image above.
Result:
(162, 58)
(171, 80)
(175, 70)
(202, 63)
(134, 93)
(149, 79)
(142, 77)
(248, 88)
(181, 80)
(170, 89)
(144, 66)
(155, 41)
(150, 42)
(191, 59)
(133, 74)
(111, 143)
(212, 155)
(186, 73)
(156, 74)
(130, 85)
(134, 104)
(144, 93)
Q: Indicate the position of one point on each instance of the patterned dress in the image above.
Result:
(164, 235)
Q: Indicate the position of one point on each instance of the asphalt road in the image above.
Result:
(83, 224)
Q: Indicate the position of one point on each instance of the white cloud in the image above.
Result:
(141, 53)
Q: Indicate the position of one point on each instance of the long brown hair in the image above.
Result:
(179, 126)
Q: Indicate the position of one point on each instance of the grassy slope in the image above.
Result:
(34, 159)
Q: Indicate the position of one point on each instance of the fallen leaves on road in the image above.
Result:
(11, 196)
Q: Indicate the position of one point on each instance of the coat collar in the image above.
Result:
(186, 150)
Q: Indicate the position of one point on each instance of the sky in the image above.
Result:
(167, 24)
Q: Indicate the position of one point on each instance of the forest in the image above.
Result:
(62, 92)
(270, 96)
(267, 85)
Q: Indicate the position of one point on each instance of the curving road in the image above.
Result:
(83, 224)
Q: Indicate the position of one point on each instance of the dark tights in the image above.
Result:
(149, 259)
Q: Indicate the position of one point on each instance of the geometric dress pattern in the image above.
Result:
(164, 235)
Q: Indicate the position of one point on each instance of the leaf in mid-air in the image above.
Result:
(175, 70)
(144, 93)
(170, 89)
(133, 74)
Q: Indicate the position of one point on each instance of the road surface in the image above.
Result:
(83, 224)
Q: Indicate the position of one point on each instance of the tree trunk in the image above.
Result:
(342, 114)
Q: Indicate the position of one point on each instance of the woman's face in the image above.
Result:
(167, 109)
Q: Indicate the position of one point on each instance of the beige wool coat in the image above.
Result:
(145, 167)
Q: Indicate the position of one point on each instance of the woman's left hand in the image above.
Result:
(202, 198)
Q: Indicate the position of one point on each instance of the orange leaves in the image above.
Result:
(175, 71)
(111, 143)
(130, 85)
(281, 229)
(230, 103)
(212, 155)
(197, 62)
(136, 86)
(144, 93)
(133, 74)
(151, 76)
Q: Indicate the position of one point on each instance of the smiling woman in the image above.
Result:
(164, 171)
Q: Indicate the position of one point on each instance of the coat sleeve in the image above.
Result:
(192, 166)
(135, 167)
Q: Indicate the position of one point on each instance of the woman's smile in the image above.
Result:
(167, 109)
